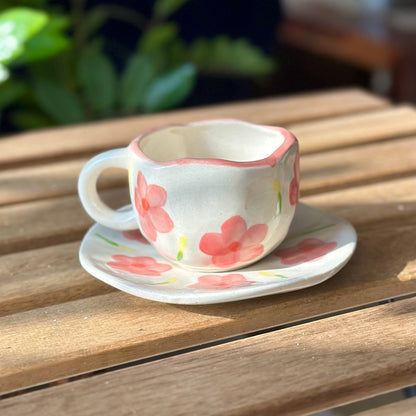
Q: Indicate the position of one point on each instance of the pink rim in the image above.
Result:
(288, 142)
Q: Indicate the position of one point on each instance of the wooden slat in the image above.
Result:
(369, 203)
(51, 221)
(43, 277)
(343, 131)
(289, 372)
(60, 178)
(49, 180)
(353, 166)
(405, 407)
(61, 278)
(39, 223)
(93, 137)
(104, 330)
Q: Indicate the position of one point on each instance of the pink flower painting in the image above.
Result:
(294, 184)
(146, 266)
(135, 235)
(214, 281)
(311, 249)
(235, 243)
(149, 200)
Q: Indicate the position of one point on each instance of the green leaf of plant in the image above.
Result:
(4, 73)
(50, 41)
(170, 89)
(164, 8)
(93, 20)
(158, 37)
(10, 91)
(136, 78)
(17, 25)
(223, 55)
(61, 104)
(98, 80)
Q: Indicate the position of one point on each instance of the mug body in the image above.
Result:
(215, 195)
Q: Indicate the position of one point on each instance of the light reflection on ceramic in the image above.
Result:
(210, 196)
(316, 247)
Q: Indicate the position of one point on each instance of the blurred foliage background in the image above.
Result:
(61, 63)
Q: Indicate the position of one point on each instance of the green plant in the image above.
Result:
(54, 67)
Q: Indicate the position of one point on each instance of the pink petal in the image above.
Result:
(233, 229)
(226, 260)
(235, 279)
(141, 186)
(138, 265)
(210, 279)
(212, 244)
(254, 235)
(160, 219)
(138, 203)
(121, 259)
(142, 261)
(250, 253)
(156, 196)
(219, 282)
(162, 267)
(294, 192)
(148, 227)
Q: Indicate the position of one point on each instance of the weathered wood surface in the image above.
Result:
(343, 131)
(405, 407)
(358, 162)
(289, 372)
(86, 138)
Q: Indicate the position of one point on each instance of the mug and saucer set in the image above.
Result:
(214, 217)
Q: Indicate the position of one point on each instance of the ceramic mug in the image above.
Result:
(213, 195)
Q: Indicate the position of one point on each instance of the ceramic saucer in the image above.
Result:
(316, 247)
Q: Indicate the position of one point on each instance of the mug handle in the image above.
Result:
(87, 190)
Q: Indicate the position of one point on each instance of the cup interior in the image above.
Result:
(226, 140)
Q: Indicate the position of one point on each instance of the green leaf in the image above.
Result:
(4, 73)
(16, 27)
(58, 23)
(10, 91)
(170, 89)
(61, 104)
(158, 37)
(222, 55)
(93, 20)
(164, 8)
(98, 80)
(136, 78)
(45, 44)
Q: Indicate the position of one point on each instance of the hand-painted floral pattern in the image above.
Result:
(311, 249)
(235, 244)
(146, 266)
(135, 235)
(149, 200)
(294, 184)
(215, 281)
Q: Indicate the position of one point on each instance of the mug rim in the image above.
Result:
(288, 141)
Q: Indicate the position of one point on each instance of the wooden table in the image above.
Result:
(92, 350)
